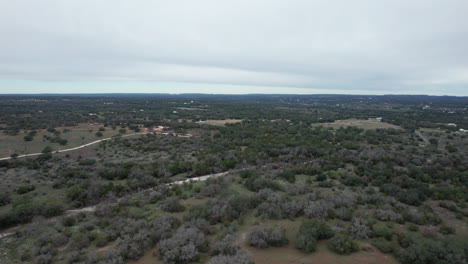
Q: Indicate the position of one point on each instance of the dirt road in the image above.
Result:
(422, 137)
(75, 148)
(11, 231)
(95, 142)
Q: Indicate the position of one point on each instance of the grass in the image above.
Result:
(360, 123)
(289, 254)
(77, 136)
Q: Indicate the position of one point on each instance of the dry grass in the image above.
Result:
(77, 136)
(221, 122)
(360, 123)
(289, 254)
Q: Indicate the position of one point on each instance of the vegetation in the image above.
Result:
(309, 170)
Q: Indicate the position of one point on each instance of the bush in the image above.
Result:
(5, 198)
(172, 205)
(383, 245)
(225, 246)
(318, 209)
(25, 189)
(239, 258)
(264, 236)
(68, 221)
(429, 251)
(447, 230)
(382, 230)
(359, 229)
(255, 184)
(309, 232)
(341, 243)
(248, 174)
(183, 246)
(287, 175)
(87, 162)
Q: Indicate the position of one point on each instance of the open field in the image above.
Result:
(360, 123)
(76, 136)
(221, 122)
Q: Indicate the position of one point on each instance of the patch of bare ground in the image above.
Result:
(191, 109)
(449, 219)
(221, 122)
(360, 123)
(290, 255)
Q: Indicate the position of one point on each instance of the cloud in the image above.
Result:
(346, 45)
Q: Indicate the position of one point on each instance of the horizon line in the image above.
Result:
(230, 94)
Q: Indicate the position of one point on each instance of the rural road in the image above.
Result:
(75, 148)
(93, 208)
(91, 143)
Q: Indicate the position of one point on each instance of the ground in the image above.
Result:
(78, 135)
(221, 122)
(360, 123)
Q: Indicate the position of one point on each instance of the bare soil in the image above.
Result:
(360, 123)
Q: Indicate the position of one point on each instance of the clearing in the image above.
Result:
(360, 123)
(220, 122)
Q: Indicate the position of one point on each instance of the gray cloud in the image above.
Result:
(392, 46)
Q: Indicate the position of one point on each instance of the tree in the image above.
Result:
(428, 251)
(309, 232)
(341, 243)
(239, 258)
(264, 236)
(183, 246)
(359, 229)
(172, 205)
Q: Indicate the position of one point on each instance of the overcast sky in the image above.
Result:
(238, 46)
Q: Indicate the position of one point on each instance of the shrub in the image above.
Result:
(264, 236)
(429, 251)
(68, 221)
(87, 162)
(225, 246)
(5, 198)
(447, 230)
(359, 229)
(239, 258)
(386, 215)
(172, 205)
(382, 230)
(309, 232)
(318, 209)
(25, 189)
(341, 243)
(287, 175)
(413, 228)
(248, 174)
(183, 246)
(255, 184)
(383, 245)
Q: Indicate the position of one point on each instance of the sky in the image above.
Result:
(234, 46)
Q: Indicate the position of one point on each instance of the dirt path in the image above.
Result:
(75, 148)
(422, 137)
(11, 231)
(92, 143)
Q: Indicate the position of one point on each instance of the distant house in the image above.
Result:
(452, 125)
(426, 107)
(463, 130)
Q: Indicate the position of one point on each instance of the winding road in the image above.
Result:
(11, 231)
(75, 148)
